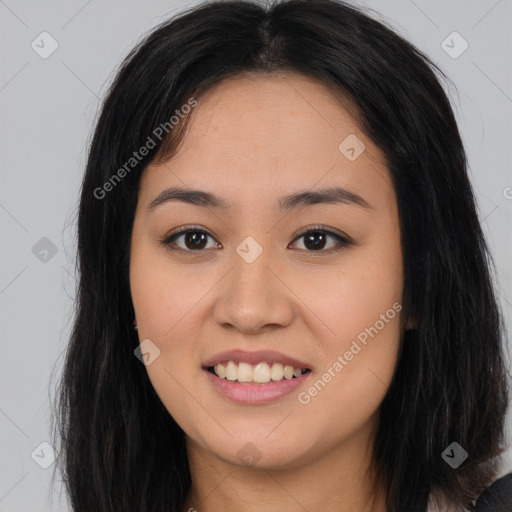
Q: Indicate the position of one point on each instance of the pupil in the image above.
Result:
(197, 239)
(311, 238)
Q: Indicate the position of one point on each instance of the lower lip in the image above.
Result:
(256, 393)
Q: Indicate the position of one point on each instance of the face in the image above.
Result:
(306, 283)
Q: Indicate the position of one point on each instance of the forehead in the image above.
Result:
(256, 134)
(279, 115)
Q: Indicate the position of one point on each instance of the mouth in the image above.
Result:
(261, 373)
(259, 384)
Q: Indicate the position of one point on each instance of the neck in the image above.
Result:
(336, 481)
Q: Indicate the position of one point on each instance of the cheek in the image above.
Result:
(351, 296)
(360, 361)
(164, 299)
(167, 299)
(166, 294)
(365, 298)
(361, 310)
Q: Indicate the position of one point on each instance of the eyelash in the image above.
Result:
(342, 241)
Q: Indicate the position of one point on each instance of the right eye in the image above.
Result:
(193, 238)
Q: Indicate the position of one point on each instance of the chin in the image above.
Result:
(261, 452)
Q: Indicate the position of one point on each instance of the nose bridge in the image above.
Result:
(250, 281)
(252, 296)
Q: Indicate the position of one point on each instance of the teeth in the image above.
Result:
(276, 372)
(220, 370)
(231, 371)
(288, 372)
(244, 372)
(260, 373)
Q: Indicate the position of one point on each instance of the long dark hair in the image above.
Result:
(121, 449)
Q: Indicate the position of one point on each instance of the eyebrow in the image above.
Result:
(330, 195)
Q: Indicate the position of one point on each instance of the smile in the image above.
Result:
(261, 373)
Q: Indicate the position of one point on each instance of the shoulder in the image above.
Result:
(497, 497)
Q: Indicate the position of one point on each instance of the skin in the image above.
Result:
(251, 140)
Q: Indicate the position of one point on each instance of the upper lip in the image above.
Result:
(255, 358)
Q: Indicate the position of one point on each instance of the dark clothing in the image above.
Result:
(497, 497)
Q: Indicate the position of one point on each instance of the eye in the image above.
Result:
(195, 240)
(315, 240)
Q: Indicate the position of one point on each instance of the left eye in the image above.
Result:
(196, 240)
(315, 240)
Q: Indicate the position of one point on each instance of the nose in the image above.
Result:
(253, 296)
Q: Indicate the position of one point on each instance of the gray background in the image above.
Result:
(47, 110)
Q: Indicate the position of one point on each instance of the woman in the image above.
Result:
(277, 200)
